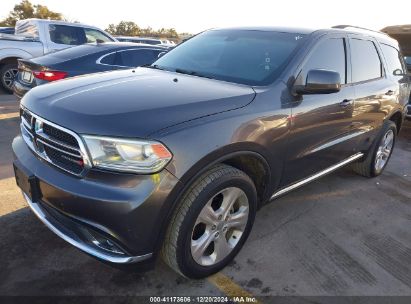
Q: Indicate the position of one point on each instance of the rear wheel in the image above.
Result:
(379, 155)
(212, 222)
(7, 75)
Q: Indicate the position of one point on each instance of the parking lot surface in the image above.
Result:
(340, 235)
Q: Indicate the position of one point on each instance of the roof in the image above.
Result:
(59, 22)
(137, 38)
(126, 44)
(271, 28)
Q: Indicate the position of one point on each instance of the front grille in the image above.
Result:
(70, 163)
(26, 116)
(60, 135)
(55, 144)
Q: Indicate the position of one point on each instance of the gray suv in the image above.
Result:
(175, 159)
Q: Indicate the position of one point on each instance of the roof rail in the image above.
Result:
(344, 26)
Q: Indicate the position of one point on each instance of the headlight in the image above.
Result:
(127, 155)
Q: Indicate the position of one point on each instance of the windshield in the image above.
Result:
(408, 60)
(249, 57)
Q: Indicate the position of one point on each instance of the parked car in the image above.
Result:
(402, 33)
(408, 63)
(7, 30)
(80, 60)
(174, 159)
(140, 40)
(36, 37)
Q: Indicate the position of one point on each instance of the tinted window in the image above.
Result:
(109, 59)
(63, 34)
(329, 55)
(365, 61)
(392, 56)
(242, 56)
(133, 58)
(408, 60)
(94, 36)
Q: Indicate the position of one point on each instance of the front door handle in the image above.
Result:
(390, 92)
(346, 102)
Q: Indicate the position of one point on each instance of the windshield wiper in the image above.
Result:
(193, 73)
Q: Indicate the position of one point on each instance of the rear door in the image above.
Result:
(375, 91)
(321, 123)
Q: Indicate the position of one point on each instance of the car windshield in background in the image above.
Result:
(408, 60)
(249, 57)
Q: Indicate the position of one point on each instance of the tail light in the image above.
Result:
(49, 75)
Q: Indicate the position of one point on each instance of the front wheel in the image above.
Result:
(212, 222)
(380, 153)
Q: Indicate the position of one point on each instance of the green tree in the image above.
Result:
(26, 10)
(124, 28)
(129, 28)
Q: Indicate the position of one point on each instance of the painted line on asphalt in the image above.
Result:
(9, 115)
(228, 287)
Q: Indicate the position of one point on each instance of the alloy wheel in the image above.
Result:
(219, 226)
(384, 150)
(8, 77)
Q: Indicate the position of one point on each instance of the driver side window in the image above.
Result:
(328, 55)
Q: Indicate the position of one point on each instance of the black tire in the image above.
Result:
(176, 250)
(367, 166)
(4, 80)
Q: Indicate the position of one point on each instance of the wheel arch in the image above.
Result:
(242, 157)
(397, 118)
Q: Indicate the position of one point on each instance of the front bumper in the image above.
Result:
(77, 241)
(126, 210)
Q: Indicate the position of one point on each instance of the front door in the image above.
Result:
(321, 133)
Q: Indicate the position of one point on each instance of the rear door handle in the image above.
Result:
(390, 92)
(346, 102)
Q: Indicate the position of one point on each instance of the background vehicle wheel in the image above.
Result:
(212, 222)
(380, 153)
(7, 75)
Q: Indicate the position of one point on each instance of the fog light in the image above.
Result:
(104, 243)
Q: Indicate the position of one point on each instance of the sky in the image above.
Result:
(194, 16)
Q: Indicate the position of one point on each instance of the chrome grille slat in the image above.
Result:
(70, 156)
(45, 137)
(55, 148)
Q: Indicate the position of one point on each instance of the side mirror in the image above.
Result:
(161, 54)
(399, 72)
(321, 82)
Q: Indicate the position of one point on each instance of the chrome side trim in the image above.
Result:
(83, 246)
(316, 176)
(338, 141)
(98, 61)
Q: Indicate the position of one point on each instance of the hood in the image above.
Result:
(133, 103)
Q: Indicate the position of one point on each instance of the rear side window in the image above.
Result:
(329, 55)
(133, 58)
(64, 34)
(393, 58)
(109, 59)
(366, 64)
